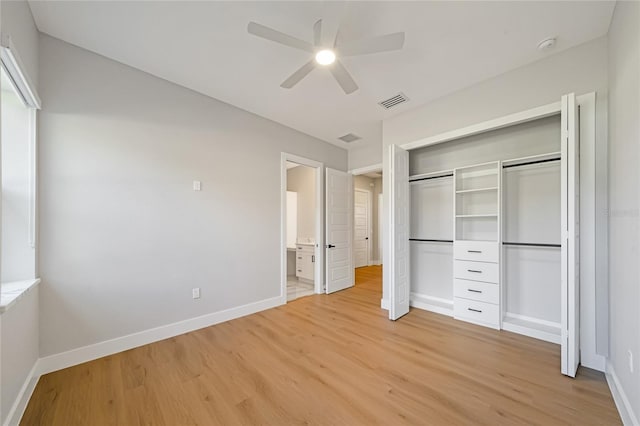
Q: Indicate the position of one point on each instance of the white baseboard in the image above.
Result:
(384, 304)
(620, 397)
(375, 263)
(433, 304)
(20, 404)
(98, 350)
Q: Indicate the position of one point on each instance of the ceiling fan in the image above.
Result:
(327, 51)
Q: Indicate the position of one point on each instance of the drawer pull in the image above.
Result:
(475, 271)
(299, 258)
(474, 251)
(475, 310)
(299, 270)
(474, 291)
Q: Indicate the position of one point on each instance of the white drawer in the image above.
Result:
(476, 290)
(481, 251)
(482, 313)
(476, 271)
(304, 248)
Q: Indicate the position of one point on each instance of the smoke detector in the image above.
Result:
(547, 43)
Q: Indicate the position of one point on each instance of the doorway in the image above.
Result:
(302, 207)
(367, 190)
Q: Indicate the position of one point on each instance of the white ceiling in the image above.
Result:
(205, 46)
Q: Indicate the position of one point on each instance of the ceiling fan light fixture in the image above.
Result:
(325, 57)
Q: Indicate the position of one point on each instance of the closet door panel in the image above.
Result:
(432, 269)
(532, 282)
(432, 209)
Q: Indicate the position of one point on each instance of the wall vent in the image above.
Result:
(349, 137)
(398, 99)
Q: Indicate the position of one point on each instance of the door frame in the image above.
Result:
(318, 278)
(369, 223)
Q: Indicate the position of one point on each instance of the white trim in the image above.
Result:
(384, 304)
(485, 126)
(535, 327)
(14, 291)
(367, 169)
(376, 262)
(77, 356)
(15, 71)
(369, 225)
(432, 304)
(620, 397)
(319, 237)
(20, 404)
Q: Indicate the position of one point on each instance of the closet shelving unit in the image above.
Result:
(476, 272)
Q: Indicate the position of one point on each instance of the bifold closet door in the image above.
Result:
(570, 344)
(399, 289)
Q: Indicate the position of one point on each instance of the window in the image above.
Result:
(18, 105)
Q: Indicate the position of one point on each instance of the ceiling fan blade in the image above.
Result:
(282, 38)
(368, 46)
(317, 33)
(343, 77)
(299, 75)
(332, 14)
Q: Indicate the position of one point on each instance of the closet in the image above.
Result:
(492, 225)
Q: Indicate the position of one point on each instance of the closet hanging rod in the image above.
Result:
(546, 160)
(431, 241)
(505, 243)
(431, 177)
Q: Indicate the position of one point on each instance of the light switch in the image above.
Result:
(195, 293)
(196, 185)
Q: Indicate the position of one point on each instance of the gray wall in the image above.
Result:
(124, 238)
(624, 196)
(19, 349)
(302, 179)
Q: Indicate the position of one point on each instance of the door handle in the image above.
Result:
(313, 258)
(330, 246)
(367, 238)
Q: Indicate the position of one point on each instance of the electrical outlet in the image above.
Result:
(196, 293)
(630, 361)
(197, 185)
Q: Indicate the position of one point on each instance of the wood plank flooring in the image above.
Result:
(333, 359)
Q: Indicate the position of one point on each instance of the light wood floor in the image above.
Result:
(333, 359)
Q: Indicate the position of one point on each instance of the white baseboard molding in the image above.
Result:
(375, 263)
(77, 356)
(620, 397)
(20, 404)
(537, 328)
(384, 304)
(430, 303)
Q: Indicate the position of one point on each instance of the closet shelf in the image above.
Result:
(476, 215)
(464, 191)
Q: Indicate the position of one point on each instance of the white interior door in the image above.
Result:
(570, 170)
(399, 232)
(361, 228)
(339, 230)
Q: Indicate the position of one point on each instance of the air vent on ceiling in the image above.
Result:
(394, 100)
(349, 137)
